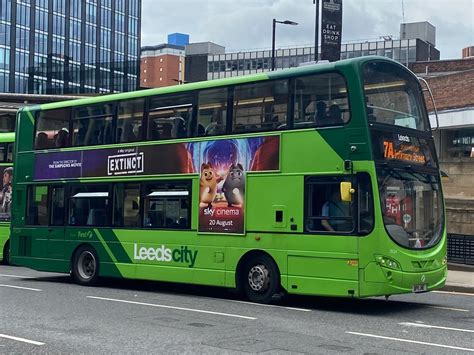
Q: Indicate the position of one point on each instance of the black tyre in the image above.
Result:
(85, 266)
(260, 279)
(6, 254)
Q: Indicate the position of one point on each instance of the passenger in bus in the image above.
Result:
(42, 141)
(166, 131)
(126, 133)
(334, 207)
(61, 139)
(201, 131)
(335, 115)
(321, 113)
(81, 134)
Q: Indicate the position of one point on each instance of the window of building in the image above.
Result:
(212, 112)
(93, 125)
(459, 143)
(170, 117)
(261, 106)
(89, 205)
(52, 129)
(126, 211)
(321, 100)
(129, 121)
(167, 205)
(37, 206)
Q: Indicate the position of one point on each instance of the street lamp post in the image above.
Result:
(286, 22)
(316, 31)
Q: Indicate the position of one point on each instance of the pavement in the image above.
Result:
(460, 278)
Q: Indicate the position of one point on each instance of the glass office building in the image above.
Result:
(241, 63)
(69, 46)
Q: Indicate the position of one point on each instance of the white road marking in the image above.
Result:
(172, 307)
(422, 325)
(22, 288)
(269, 305)
(16, 276)
(455, 293)
(450, 309)
(412, 341)
(21, 339)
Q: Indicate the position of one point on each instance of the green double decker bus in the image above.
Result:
(6, 172)
(317, 180)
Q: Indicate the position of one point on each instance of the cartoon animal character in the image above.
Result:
(234, 185)
(208, 185)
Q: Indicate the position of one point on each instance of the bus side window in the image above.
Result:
(167, 205)
(170, 117)
(212, 112)
(366, 203)
(37, 206)
(129, 121)
(52, 129)
(325, 211)
(321, 100)
(57, 206)
(126, 205)
(89, 206)
(93, 125)
(260, 106)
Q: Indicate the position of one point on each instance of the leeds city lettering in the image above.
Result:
(164, 254)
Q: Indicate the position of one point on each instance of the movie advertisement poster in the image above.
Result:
(6, 193)
(222, 166)
(331, 30)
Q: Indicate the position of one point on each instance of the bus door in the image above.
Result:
(56, 225)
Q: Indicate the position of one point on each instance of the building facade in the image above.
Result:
(69, 46)
(162, 65)
(416, 43)
(451, 84)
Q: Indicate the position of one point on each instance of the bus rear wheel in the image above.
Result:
(260, 279)
(85, 266)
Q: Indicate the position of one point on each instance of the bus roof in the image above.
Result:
(307, 69)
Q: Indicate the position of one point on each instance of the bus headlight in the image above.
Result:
(387, 262)
(445, 260)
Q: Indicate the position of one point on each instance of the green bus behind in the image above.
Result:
(6, 171)
(318, 180)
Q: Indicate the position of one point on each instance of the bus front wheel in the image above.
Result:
(85, 266)
(261, 279)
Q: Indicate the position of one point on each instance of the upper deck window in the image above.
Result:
(129, 121)
(93, 125)
(212, 112)
(6, 152)
(7, 122)
(52, 129)
(169, 117)
(321, 100)
(393, 96)
(260, 106)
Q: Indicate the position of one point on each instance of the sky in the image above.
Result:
(247, 24)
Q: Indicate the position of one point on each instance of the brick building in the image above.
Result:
(162, 65)
(451, 82)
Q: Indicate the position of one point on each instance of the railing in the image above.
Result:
(461, 249)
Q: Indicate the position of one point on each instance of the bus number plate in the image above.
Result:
(419, 288)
